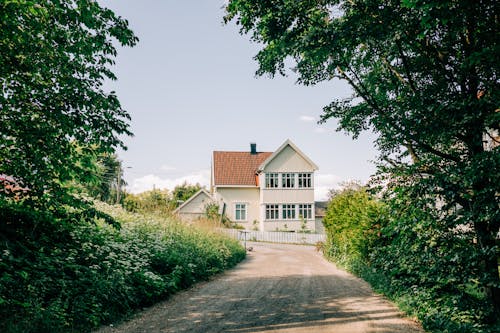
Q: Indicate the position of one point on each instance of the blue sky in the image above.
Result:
(190, 88)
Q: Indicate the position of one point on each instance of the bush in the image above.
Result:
(431, 270)
(74, 277)
(352, 224)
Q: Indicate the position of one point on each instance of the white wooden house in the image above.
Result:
(268, 191)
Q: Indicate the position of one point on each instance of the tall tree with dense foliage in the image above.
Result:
(54, 110)
(424, 75)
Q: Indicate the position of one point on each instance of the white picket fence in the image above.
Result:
(276, 236)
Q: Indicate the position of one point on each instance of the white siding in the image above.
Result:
(288, 161)
(231, 196)
(195, 207)
(287, 195)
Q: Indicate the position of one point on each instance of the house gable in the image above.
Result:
(196, 204)
(288, 158)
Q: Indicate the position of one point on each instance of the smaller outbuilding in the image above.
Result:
(195, 207)
(319, 215)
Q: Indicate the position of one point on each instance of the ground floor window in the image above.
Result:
(288, 212)
(305, 211)
(240, 212)
(272, 212)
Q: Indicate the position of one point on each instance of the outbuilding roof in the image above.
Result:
(184, 204)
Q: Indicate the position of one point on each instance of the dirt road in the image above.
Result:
(278, 288)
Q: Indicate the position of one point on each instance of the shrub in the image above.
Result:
(431, 270)
(352, 223)
(59, 277)
(408, 252)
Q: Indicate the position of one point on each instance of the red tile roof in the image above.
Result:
(10, 186)
(237, 167)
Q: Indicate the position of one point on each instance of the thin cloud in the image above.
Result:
(151, 181)
(167, 168)
(307, 119)
(323, 183)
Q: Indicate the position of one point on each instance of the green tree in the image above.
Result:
(152, 201)
(55, 57)
(424, 75)
(183, 192)
(108, 179)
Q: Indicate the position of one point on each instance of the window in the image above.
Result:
(272, 212)
(240, 212)
(271, 180)
(288, 212)
(305, 180)
(288, 180)
(305, 211)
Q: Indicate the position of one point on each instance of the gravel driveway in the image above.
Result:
(278, 288)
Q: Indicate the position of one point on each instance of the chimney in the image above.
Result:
(253, 148)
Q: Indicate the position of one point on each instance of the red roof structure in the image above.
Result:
(10, 186)
(237, 167)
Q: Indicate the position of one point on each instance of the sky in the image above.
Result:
(190, 88)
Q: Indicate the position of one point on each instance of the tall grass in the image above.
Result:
(59, 276)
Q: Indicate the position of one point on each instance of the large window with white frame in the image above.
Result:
(305, 211)
(272, 212)
(288, 180)
(288, 212)
(272, 180)
(240, 211)
(305, 180)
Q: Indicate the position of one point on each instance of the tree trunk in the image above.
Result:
(486, 240)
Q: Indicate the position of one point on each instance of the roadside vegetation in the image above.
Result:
(424, 78)
(68, 273)
(402, 250)
(67, 261)
(159, 200)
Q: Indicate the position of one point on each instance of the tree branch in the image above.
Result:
(363, 92)
(406, 66)
(395, 72)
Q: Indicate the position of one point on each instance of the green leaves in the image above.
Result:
(66, 276)
(55, 58)
(352, 224)
(424, 75)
